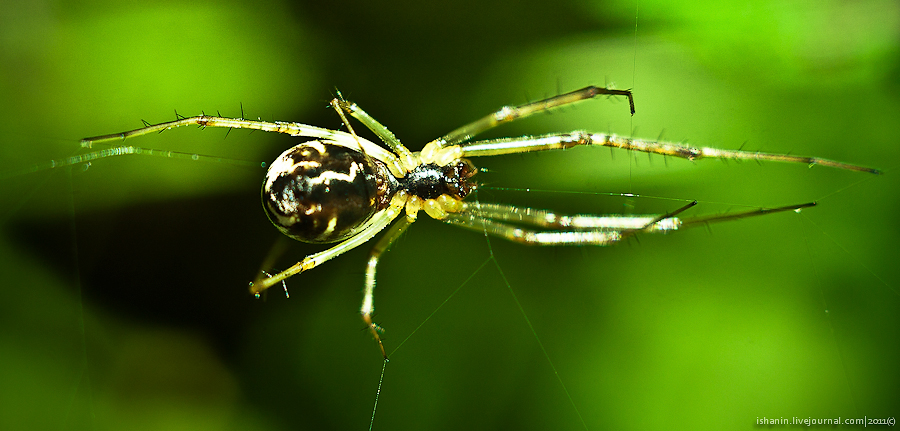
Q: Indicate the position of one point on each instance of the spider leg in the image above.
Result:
(561, 141)
(294, 129)
(368, 305)
(379, 221)
(582, 229)
(702, 220)
(406, 157)
(290, 128)
(510, 113)
(552, 220)
(124, 151)
(473, 221)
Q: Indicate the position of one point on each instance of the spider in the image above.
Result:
(342, 188)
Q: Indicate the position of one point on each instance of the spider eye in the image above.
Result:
(320, 192)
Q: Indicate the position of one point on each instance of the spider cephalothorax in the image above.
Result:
(429, 181)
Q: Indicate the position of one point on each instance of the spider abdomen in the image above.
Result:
(319, 192)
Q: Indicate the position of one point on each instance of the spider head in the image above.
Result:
(458, 174)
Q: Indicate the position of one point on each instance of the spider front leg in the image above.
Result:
(473, 221)
(552, 220)
(561, 141)
(582, 229)
(559, 229)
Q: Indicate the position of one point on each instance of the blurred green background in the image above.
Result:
(125, 303)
